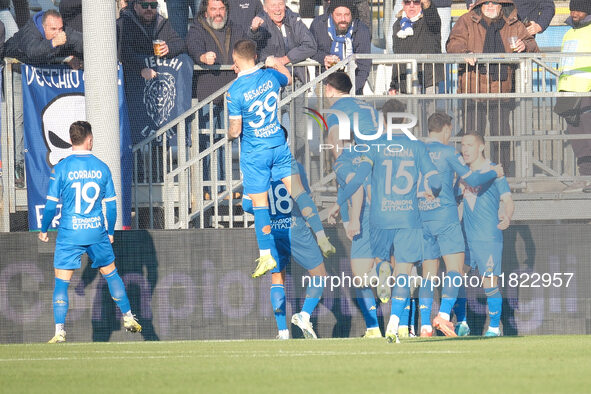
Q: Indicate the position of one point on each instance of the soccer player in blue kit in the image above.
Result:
(483, 226)
(83, 182)
(292, 238)
(252, 105)
(442, 232)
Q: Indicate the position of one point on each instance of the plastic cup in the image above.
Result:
(156, 45)
(513, 42)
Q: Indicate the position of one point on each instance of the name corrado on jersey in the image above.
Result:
(84, 174)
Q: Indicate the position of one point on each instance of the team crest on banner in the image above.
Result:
(155, 102)
(53, 98)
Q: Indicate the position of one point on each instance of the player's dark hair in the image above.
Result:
(49, 13)
(205, 4)
(246, 49)
(340, 81)
(438, 121)
(393, 105)
(79, 131)
(479, 137)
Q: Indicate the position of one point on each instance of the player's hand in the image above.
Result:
(208, 58)
(256, 23)
(354, 228)
(59, 39)
(271, 62)
(499, 170)
(534, 28)
(43, 237)
(332, 214)
(429, 194)
(111, 239)
(505, 222)
(148, 73)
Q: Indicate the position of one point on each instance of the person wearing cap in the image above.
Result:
(339, 33)
(575, 76)
(487, 28)
(417, 30)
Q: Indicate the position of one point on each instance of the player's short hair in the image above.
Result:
(438, 121)
(340, 81)
(393, 105)
(49, 13)
(246, 49)
(479, 137)
(79, 131)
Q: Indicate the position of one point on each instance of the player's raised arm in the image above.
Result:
(50, 205)
(473, 178)
(272, 62)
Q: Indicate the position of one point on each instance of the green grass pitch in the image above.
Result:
(509, 364)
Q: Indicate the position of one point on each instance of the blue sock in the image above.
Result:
(449, 293)
(400, 293)
(262, 226)
(309, 211)
(367, 304)
(313, 294)
(495, 305)
(404, 318)
(60, 300)
(117, 290)
(278, 304)
(412, 319)
(426, 302)
(460, 306)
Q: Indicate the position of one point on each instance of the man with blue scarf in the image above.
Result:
(340, 33)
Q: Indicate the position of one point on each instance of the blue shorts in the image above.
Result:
(299, 244)
(407, 243)
(485, 255)
(361, 245)
(67, 256)
(259, 167)
(442, 238)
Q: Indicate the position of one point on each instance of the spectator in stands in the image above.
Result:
(575, 77)
(487, 28)
(242, 12)
(279, 32)
(417, 30)
(363, 10)
(340, 33)
(10, 26)
(45, 40)
(210, 42)
(138, 25)
(178, 14)
(536, 15)
(443, 9)
(71, 11)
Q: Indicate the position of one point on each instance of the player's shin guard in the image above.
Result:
(313, 294)
(117, 290)
(495, 305)
(60, 300)
(262, 226)
(426, 302)
(309, 211)
(449, 293)
(367, 304)
(460, 306)
(278, 303)
(400, 294)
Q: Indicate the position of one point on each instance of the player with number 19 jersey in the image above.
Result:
(82, 182)
(253, 98)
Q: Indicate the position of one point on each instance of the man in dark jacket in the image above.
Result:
(242, 12)
(280, 33)
(210, 41)
(338, 34)
(137, 27)
(417, 30)
(536, 15)
(45, 40)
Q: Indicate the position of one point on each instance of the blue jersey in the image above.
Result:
(82, 182)
(367, 116)
(253, 97)
(348, 163)
(448, 163)
(399, 165)
(481, 208)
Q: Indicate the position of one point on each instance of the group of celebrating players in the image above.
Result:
(398, 202)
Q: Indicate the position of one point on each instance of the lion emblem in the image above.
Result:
(159, 97)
